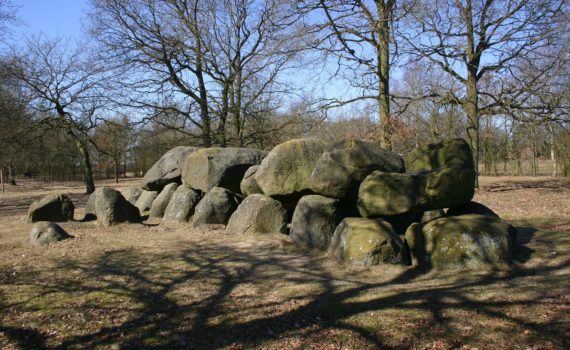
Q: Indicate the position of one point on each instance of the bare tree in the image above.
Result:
(65, 88)
(359, 34)
(211, 61)
(472, 40)
(113, 138)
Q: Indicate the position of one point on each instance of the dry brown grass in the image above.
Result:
(144, 286)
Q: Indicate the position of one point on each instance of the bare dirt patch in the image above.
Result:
(145, 286)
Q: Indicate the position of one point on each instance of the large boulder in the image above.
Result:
(367, 242)
(285, 172)
(248, 184)
(112, 208)
(167, 169)
(219, 167)
(144, 202)
(181, 206)
(53, 207)
(449, 169)
(161, 201)
(45, 232)
(390, 194)
(258, 214)
(216, 207)
(440, 176)
(314, 220)
(471, 208)
(430, 157)
(465, 241)
(340, 170)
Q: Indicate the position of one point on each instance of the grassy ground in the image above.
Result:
(145, 286)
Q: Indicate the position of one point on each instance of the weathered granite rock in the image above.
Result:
(340, 170)
(167, 169)
(216, 207)
(249, 185)
(258, 213)
(45, 232)
(112, 208)
(314, 220)
(144, 203)
(161, 202)
(284, 174)
(181, 206)
(219, 167)
(53, 207)
(465, 241)
(361, 241)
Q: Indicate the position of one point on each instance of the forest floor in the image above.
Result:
(154, 286)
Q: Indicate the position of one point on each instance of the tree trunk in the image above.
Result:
(11, 177)
(383, 61)
(87, 173)
(116, 163)
(471, 109)
(553, 150)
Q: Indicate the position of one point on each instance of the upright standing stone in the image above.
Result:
(161, 202)
(112, 208)
(314, 220)
(181, 206)
(258, 214)
(216, 207)
(144, 203)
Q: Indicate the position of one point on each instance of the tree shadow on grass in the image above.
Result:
(211, 296)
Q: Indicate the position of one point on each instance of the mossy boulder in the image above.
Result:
(450, 172)
(314, 220)
(167, 169)
(53, 207)
(216, 207)
(284, 174)
(340, 170)
(219, 167)
(144, 202)
(258, 213)
(112, 208)
(361, 241)
(439, 176)
(248, 184)
(466, 241)
(430, 157)
(390, 194)
(45, 232)
(181, 206)
(161, 201)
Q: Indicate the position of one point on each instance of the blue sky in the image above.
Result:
(52, 17)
